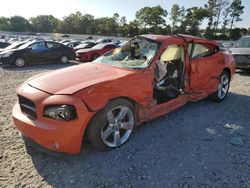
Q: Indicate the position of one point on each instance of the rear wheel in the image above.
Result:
(112, 126)
(19, 62)
(222, 89)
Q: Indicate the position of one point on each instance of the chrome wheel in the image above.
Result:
(117, 126)
(19, 62)
(64, 59)
(223, 86)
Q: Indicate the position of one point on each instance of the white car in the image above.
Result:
(241, 53)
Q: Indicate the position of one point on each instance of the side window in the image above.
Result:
(52, 45)
(201, 51)
(38, 46)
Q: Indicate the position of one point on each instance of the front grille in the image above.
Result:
(27, 106)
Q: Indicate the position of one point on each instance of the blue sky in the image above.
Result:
(99, 8)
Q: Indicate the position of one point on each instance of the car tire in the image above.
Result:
(64, 59)
(112, 126)
(222, 89)
(19, 62)
(94, 56)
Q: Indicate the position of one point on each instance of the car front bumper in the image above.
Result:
(55, 135)
(82, 57)
(242, 61)
(6, 61)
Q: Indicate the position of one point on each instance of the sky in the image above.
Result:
(99, 8)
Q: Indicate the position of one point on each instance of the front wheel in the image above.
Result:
(112, 126)
(222, 89)
(19, 62)
(64, 59)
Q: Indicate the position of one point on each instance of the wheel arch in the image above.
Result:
(132, 101)
(226, 69)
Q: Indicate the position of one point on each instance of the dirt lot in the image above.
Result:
(202, 144)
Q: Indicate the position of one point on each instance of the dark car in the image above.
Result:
(15, 45)
(4, 44)
(35, 52)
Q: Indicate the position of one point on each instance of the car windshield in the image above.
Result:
(82, 45)
(99, 46)
(243, 42)
(135, 54)
(25, 45)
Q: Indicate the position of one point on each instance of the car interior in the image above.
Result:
(169, 74)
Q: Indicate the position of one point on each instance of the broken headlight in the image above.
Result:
(60, 112)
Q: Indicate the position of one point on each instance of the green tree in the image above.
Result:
(236, 10)
(193, 18)
(4, 24)
(211, 9)
(175, 17)
(221, 5)
(151, 16)
(226, 20)
(123, 21)
(44, 23)
(131, 29)
(235, 34)
(19, 23)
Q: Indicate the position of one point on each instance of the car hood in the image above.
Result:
(6, 51)
(84, 50)
(72, 79)
(240, 51)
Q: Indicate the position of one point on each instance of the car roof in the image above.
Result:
(188, 38)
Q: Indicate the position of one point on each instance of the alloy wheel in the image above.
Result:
(19, 62)
(223, 86)
(118, 126)
(64, 59)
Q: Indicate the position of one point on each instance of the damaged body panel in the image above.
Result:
(105, 100)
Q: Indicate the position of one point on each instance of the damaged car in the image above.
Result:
(104, 100)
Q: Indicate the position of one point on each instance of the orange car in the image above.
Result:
(105, 100)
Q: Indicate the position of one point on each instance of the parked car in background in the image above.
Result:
(103, 40)
(36, 52)
(72, 44)
(241, 53)
(12, 40)
(4, 44)
(221, 46)
(91, 54)
(15, 45)
(65, 41)
(85, 45)
(106, 99)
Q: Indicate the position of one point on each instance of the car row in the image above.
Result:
(36, 52)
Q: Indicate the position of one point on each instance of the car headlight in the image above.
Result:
(60, 112)
(8, 54)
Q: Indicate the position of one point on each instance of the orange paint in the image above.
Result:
(90, 86)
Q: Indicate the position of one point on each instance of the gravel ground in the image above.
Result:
(202, 144)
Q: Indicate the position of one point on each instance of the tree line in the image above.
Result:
(221, 17)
